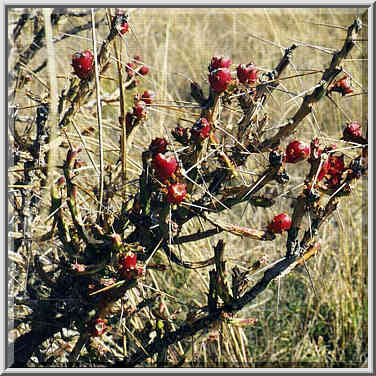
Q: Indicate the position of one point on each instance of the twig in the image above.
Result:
(99, 117)
(53, 99)
(190, 329)
(327, 78)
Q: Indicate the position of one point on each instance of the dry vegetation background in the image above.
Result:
(296, 329)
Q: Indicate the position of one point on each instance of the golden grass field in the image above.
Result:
(296, 327)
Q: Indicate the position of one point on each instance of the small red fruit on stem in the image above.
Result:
(148, 96)
(352, 131)
(176, 193)
(342, 86)
(139, 110)
(83, 64)
(130, 68)
(336, 165)
(200, 129)
(130, 261)
(128, 264)
(218, 62)
(99, 327)
(144, 70)
(324, 170)
(124, 27)
(158, 145)
(280, 223)
(247, 74)
(297, 151)
(164, 166)
(219, 79)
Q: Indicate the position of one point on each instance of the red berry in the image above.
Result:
(219, 62)
(128, 261)
(297, 151)
(280, 223)
(129, 68)
(324, 170)
(342, 86)
(200, 129)
(164, 166)
(139, 110)
(148, 96)
(336, 165)
(219, 79)
(352, 131)
(137, 58)
(158, 145)
(247, 74)
(176, 193)
(144, 70)
(83, 64)
(99, 327)
(124, 27)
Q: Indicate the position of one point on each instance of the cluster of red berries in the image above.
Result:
(220, 75)
(280, 223)
(165, 167)
(138, 112)
(199, 131)
(83, 64)
(332, 167)
(136, 66)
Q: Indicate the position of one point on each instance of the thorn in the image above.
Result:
(309, 275)
(278, 295)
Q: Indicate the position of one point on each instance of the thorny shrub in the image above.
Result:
(92, 293)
